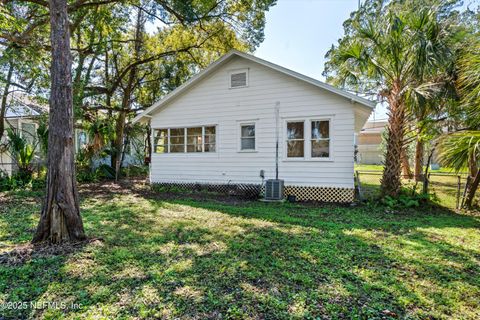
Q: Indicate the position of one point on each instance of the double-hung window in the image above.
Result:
(308, 139)
(185, 140)
(247, 137)
(295, 139)
(320, 140)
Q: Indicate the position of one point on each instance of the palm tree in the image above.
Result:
(386, 51)
(460, 150)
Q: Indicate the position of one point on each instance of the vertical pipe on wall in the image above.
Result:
(277, 113)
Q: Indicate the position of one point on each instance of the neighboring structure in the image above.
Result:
(221, 128)
(369, 142)
(22, 115)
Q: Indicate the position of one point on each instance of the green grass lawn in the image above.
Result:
(198, 257)
(377, 167)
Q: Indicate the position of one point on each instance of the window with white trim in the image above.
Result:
(295, 139)
(238, 78)
(29, 132)
(185, 140)
(247, 137)
(177, 140)
(320, 139)
(160, 141)
(210, 139)
(195, 139)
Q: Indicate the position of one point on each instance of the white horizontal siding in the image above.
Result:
(212, 102)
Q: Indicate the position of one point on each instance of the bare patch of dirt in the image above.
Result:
(20, 254)
(140, 187)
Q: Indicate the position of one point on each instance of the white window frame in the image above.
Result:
(152, 140)
(239, 135)
(184, 140)
(20, 128)
(285, 139)
(307, 138)
(329, 158)
(77, 133)
(185, 153)
(23, 134)
(234, 71)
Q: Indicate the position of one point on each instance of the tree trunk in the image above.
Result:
(406, 171)
(472, 165)
(391, 182)
(127, 96)
(418, 169)
(118, 142)
(474, 174)
(60, 220)
(425, 175)
(472, 189)
(3, 107)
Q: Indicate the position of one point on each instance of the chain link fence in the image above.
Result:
(447, 188)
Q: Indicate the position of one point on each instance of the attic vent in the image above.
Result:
(238, 79)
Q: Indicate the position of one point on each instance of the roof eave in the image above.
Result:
(367, 105)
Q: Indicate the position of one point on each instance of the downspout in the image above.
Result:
(277, 113)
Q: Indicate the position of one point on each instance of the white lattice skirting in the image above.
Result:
(252, 191)
(322, 194)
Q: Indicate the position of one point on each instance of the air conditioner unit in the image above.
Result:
(274, 189)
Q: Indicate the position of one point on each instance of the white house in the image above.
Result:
(21, 115)
(221, 128)
(369, 142)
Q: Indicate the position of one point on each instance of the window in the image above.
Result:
(29, 132)
(320, 140)
(160, 141)
(81, 140)
(177, 140)
(239, 78)
(181, 140)
(247, 137)
(295, 139)
(194, 139)
(209, 139)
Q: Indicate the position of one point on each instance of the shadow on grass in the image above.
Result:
(209, 258)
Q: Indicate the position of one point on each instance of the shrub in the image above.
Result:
(135, 171)
(21, 181)
(407, 200)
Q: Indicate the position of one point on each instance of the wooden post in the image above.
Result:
(465, 191)
(426, 182)
(359, 187)
(459, 185)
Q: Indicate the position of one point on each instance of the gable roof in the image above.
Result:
(20, 105)
(215, 65)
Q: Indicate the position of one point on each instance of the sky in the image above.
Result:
(298, 34)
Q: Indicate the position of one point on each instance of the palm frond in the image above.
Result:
(456, 149)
